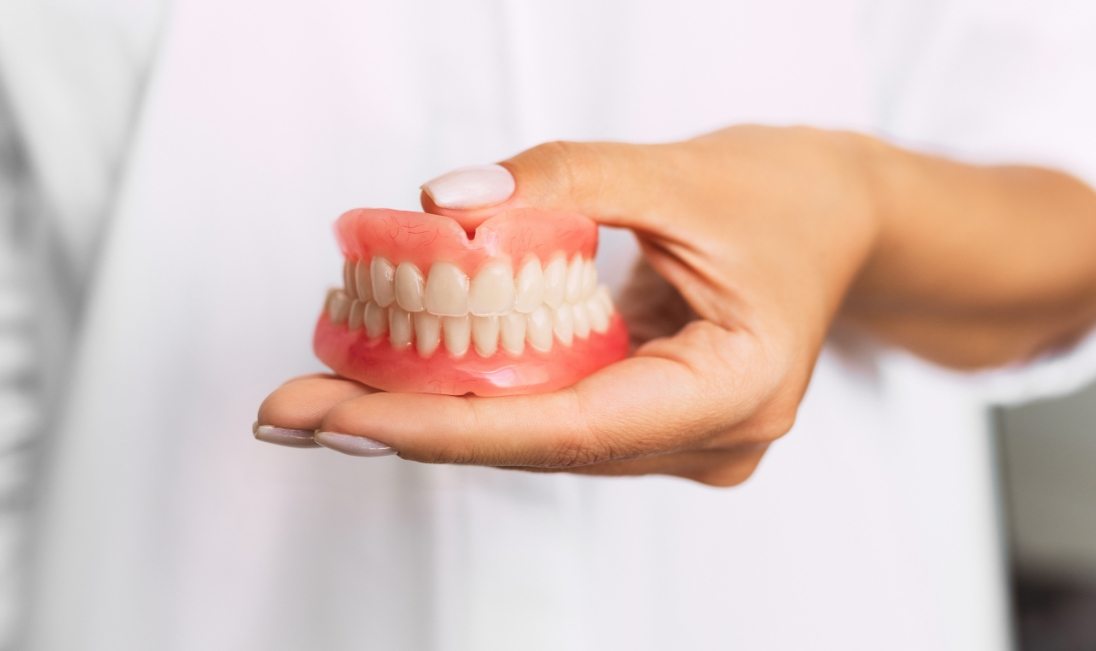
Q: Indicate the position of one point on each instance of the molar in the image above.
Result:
(492, 290)
(427, 333)
(376, 320)
(399, 327)
(446, 290)
(512, 329)
(338, 306)
(573, 284)
(589, 279)
(538, 329)
(555, 278)
(581, 320)
(485, 334)
(529, 293)
(456, 332)
(409, 285)
(349, 279)
(362, 281)
(357, 315)
(383, 274)
(599, 316)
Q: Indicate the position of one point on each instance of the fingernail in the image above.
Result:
(358, 446)
(294, 438)
(476, 186)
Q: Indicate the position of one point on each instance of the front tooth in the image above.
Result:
(581, 320)
(457, 332)
(538, 329)
(512, 328)
(555, 278)
(362, 281)
(427, 333)
(599, 316)
(530, 286)
(383, 274)
(409, 287)
(446, 290)
(573, 287)
(399, 327)
(349, 279)
(589, 279)
(563, 324)
(485, 335)
(338, 306)
(376, 320)
(492, 290)
(357, 315)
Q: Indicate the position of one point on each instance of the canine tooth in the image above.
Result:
(538, 329)
(362, 281)
(456, 332)
(399, 327)
(529, 293)
(427, 333)
(492, 290)
(357, 315)
(599, 316)
(383, 273)
(589, 279)
(573, 286)
(349, 281)
(512, 329)
(555, 279)
(338, 306)
(376, 320)
(446, 290)
(563, 324)
(581, 320)
(485, 335)
(409, 287)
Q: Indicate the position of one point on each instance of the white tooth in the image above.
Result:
(362, 281)
(376, 320)
(530, 286)
(383, 274)
(581, 320)
(485, 335)
(456, 332)
(446, 290)
(512, 327)
(338, 306)
(357, 315)
(538, 329)
(573, 287)
(589, 279)
(427, 333)
(409, 287)
(555, 278)
(399, 327)
(599, 316)
(563, 324)
(348, 278)
(492, 290)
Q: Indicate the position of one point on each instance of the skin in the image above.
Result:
(757, 242)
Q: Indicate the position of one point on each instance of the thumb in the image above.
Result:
(616, 184)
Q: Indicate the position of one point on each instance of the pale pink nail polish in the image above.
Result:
(476, 186)
(358, 446)
(294, 438)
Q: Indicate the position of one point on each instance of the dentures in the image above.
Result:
(515, 309)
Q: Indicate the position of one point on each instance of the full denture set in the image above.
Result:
(515, 309)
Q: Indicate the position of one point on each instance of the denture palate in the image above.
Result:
(496, 307)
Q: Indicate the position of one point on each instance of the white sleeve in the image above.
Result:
(996, 82)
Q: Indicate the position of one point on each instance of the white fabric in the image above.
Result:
(163, 525)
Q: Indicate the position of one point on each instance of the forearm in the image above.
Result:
(974, 265)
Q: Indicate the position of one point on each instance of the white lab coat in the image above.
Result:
(184, 165)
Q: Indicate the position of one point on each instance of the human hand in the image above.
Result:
(752, 237)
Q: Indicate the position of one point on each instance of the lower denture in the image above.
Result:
(423, 308)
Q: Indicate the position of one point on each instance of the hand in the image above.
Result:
(752, 237)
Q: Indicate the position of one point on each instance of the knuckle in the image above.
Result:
(573, 450)
(572, 165)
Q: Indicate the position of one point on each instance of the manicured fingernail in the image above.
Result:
(294, 438)
(359, 446)
(476, 186)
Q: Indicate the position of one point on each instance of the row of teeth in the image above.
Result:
(495, 309)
